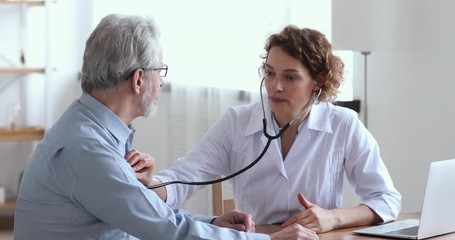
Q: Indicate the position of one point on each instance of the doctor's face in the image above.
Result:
(288, 83)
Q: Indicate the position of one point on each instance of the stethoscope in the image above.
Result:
(266, 147)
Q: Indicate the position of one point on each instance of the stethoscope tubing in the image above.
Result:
(266, 147)
(219, 179)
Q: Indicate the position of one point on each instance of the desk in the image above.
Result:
(346, 233)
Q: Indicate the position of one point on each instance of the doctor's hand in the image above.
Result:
(236, 220)
(295, 232)
(315, 218)
(142, 164)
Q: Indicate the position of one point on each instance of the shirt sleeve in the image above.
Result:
(368, 174)
(208, 160)
(101, 182)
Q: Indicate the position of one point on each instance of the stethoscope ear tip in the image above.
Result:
(318, 93)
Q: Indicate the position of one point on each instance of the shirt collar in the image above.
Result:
(255, 123)
(107, 118)
(318, 119)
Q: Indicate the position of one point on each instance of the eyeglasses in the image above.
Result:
(162, 70)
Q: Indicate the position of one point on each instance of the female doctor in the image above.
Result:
(300, 178)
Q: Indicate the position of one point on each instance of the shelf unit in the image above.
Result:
(21, 133)
(8, 207)
(17, 134)
(22, 70)
(7, 215)
(26, 2)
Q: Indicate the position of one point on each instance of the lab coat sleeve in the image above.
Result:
(368, 174)
(208, 160)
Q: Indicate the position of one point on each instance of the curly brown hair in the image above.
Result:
(312, 48)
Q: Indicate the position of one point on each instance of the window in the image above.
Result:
(218, 43)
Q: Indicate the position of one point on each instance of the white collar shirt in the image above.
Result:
(332, 143)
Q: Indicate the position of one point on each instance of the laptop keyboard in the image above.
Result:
(410, 231)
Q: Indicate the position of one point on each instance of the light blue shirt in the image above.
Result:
(78, 185)
(331, 144)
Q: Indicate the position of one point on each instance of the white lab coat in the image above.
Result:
(331, 143)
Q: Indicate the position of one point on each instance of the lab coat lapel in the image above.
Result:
(300, 141)
(318, 120)
(273, 154)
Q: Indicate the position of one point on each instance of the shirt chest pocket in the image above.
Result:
(330, 176)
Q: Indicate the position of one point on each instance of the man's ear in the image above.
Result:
(137, 80)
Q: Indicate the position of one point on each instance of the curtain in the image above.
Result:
(193, 110)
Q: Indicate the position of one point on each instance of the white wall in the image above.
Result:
(412, 100)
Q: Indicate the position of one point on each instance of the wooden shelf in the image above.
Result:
(26, 2)
(22, 70)
(8, 207)
(21, 133)
(7, 210)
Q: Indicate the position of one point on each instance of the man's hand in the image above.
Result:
(236, 220)
(315, 218)
(294, 232)
(143, 164)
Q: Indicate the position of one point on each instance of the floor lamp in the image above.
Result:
(365, 27)
(365, 87)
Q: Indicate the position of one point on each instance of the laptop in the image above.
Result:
(438, 208)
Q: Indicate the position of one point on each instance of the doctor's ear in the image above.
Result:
(318, 83)
(317, 86)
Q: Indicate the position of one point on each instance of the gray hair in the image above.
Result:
(118, 46)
